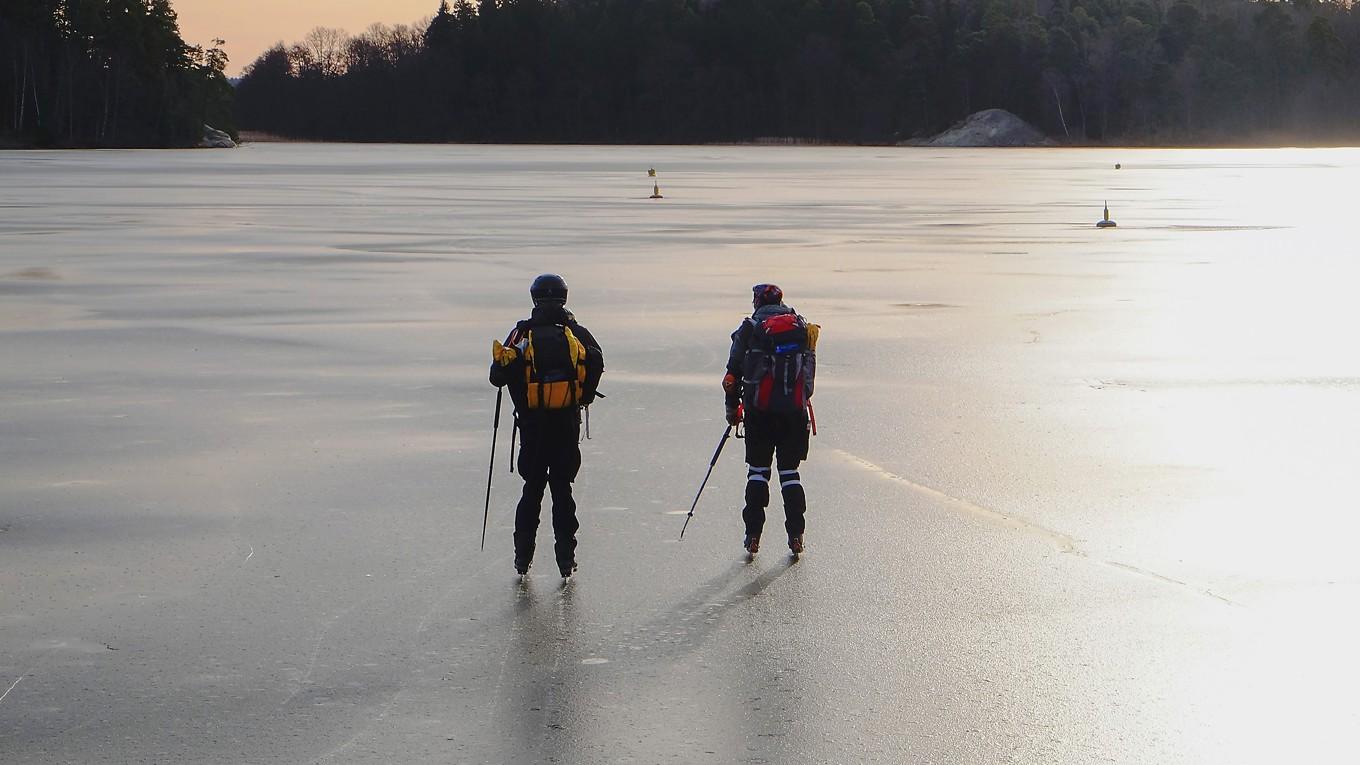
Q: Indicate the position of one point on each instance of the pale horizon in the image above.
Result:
(251, 27)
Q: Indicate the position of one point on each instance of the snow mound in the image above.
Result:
(215, 139)
(991, 127)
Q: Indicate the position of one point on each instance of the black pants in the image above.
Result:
(549, 457)
(768, 436)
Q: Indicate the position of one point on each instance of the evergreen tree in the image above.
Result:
(106, 73)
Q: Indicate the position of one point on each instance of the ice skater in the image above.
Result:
(552, 366)
(768, 384)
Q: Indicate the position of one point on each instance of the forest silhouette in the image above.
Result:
(874, 71)
(1205, 72)
(106, 73)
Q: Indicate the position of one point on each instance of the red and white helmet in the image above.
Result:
(766, 294)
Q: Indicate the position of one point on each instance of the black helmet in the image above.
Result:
(549, 288)
(766, 294)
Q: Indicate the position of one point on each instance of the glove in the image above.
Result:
(734, 414)
(505, 355)
(587, 398)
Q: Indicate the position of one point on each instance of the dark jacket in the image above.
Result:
(545, 315)
(733, 384)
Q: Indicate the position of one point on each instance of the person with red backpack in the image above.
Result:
(552, 367)
(768, 385)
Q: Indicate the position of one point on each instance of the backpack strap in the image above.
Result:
(577, 351)
(531, 359)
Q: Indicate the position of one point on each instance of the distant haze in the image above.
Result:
(250, 27)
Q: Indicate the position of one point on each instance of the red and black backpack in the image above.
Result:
(777, 368)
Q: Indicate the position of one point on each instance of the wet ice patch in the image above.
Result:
(71, 645)
(594, 660)
(923, 306)
(43, 274)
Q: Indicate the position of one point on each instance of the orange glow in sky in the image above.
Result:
(250, 27)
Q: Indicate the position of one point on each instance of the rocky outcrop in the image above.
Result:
(215, 139)
(991, 127)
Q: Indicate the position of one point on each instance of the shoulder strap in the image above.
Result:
(575, 349)
(520, 331)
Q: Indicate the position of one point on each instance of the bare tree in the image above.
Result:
(1053, 79)
(326, 50)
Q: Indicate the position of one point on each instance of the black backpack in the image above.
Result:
(777, 368)
(554, 367)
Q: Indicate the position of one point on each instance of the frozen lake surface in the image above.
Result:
(1078, 496)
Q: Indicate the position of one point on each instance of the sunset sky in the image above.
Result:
(251, 26)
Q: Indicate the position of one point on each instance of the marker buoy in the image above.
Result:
(656, 191)
(1106, 223)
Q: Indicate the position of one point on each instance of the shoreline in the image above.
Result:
(249, 137)
(261, 137)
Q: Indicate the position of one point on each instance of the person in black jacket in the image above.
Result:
(768, 385)
(551, 380)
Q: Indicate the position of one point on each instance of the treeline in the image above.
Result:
(106, 73)
(1158, 71)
